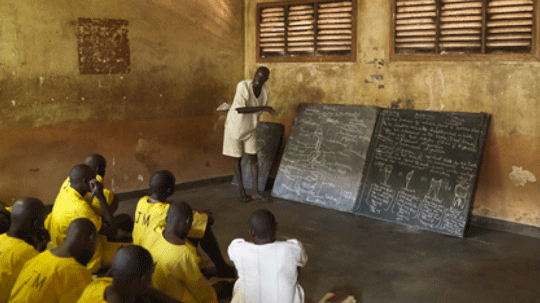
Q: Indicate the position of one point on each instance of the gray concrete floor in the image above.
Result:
(382, 262)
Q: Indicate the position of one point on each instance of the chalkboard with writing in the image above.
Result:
(422, 169)
(325, 154)
(269, 138)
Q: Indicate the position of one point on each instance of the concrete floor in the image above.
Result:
(381, 262)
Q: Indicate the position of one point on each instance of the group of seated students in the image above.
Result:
(151, 258)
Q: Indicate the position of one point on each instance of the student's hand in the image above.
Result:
(271, 111)
(96, 187)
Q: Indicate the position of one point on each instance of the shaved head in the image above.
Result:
(27, 216)
(81, 240)
(179, 218)
(264, 70)
(130, 264)
(97, 162)
(162, 182)
(81, 172)
(27, 210)
(263, 225)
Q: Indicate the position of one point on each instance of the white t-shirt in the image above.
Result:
(267, 273)
(239, 125)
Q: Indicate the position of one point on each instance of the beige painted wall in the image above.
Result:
(186, 58)
(510, 91)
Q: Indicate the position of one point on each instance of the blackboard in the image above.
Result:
(269, 139)
(324, 157)
(422, 169)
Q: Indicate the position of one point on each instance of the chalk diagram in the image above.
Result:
(324, 157)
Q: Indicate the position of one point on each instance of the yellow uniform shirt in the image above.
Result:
(178, 274)
(47, 278)
(150, 216)
(68, 206)
(109, 195)
(13, 254)
(95, 292)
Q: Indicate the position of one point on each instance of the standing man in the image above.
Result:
(241, 127)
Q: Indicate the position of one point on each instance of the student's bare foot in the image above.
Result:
(244, 198)
(260, 198)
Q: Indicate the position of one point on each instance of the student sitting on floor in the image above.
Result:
(178, 273)
(16, 246)
(123, 222)
(58, 275)
(71, 204)
(152, 210)
(267, 269)
(130, 280)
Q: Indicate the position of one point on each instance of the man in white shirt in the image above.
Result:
(241, 127)
(267, 269)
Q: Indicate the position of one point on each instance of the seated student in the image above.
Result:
(267, 269)
(71, 204)
(16, 246)
(129, 280)
(124, 221)
(152, 210)
(58, 275)
(177, 271)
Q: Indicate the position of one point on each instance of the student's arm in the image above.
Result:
(97, 189)
(255, 109)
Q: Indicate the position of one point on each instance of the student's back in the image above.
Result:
(267, 273)
(267, 269)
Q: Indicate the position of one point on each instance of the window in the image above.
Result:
(465, 29)
(306, 31)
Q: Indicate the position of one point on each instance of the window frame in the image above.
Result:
(306, 58)
(534, 55)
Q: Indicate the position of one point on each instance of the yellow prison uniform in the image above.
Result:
(150, 215)
(13, 255)
(109, 195)
(68, 206)
(47, 278)
(95, 292)
(178, 274)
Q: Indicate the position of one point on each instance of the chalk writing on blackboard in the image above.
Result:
(325, 154)
(422, 168)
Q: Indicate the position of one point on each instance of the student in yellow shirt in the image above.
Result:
(58, 275)
(123, 222)
(129, 280)
(177, 272)
(71, 204)
(150, 216)
(16, 246)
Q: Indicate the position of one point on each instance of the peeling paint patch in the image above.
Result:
(103, 46)
(485, 212)
(140, 178)
(520, 177)
(435, 82)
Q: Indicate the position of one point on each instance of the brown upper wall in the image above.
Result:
(510, 91)
(185, 59)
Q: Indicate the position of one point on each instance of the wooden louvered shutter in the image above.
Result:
(510, 25)
(460, 25)
(301, 29)
(334, 24)
(272, 31)
(415, 26)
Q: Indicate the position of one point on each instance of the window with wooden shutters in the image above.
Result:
(306, 31)
(465, 29)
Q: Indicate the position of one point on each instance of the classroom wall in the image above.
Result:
(510, 91)
(186, 58)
